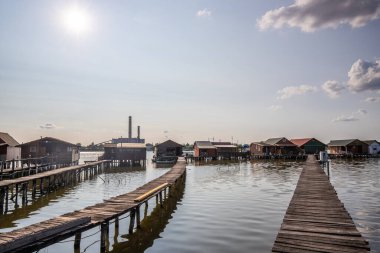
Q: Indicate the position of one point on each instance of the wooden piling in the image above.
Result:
(138, 216)
(77, 240)
(103, 236)
(132, 221)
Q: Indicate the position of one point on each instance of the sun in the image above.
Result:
(76, 20)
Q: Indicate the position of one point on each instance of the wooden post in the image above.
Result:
(6, 199)
(138, 216)
(16, 201)
(103, 235)
(2, 196)
(41, 185)
(146, 209)
(160, 198)
(77, 239)
(156, 199)
(132, 221)
(34, 188)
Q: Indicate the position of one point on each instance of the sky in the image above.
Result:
(238, 71)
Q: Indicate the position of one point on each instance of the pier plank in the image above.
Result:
(316, 220)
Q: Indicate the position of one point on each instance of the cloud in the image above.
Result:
(362, 111)
(364, 75)
(343, 118)
(275, 108)
(291, 91)
(332, 88)
(204, 13)
(48, 126)
(309, 15)
(372, 99)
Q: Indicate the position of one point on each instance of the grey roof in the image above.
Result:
(274, 141)
(261, 143)
(169, 143)
(369, 142)
(6, 138)
(204, 144)
(341, 142)
(48, 139)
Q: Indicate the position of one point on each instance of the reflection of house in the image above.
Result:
(204, 149)
(168, 148)
(8, 149)
(225, 149)
(309, 145)
(64, 152)
(373, 147)
(353, 146)
(133, 152)
(274, 146)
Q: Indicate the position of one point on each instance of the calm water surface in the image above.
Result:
(230, 207)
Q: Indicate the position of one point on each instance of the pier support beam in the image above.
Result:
(103, 236)
(77, 239)
(132, 221)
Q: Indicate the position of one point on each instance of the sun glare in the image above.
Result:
(76, 20)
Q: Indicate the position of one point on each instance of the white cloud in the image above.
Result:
(343, 118)
(309, 15)
(364, 76)
(291, 91)
(48, 126)
(275, 108)
(372, 99)
(204, 13)
(362, 111)
(333, 88)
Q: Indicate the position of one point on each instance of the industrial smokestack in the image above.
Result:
(138, 132)
(130, 127)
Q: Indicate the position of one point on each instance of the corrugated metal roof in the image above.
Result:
(131, 145)
(341, 142)
(169, 143)
(261, 143)
(204, 144)
(274, 141)
(6, 138)
(225, 146)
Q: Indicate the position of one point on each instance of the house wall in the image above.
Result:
(199, 152)
(313, 147)
(226, 152)
(13, 153)
(132, 154)
(62, 151)
(168, 151)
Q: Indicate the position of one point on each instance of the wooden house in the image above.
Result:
(309, 145)
(352, 146)
(261, 148)
(282, 146)
(225, 149)
(168, 148)
(8, 148)
(373, 147)
(125, 152)
(204, 149)
(63, 152)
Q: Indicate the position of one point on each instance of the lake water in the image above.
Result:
(223, 207)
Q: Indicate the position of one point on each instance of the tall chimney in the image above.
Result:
(138, 132)
(130, 127)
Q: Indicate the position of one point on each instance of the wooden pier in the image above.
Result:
(56, 229)
(10, 190)
(316, 220)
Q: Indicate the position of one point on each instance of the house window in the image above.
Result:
(69, 149)
(33, 149)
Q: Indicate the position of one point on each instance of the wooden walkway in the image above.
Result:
(316, 220)
(56, 229)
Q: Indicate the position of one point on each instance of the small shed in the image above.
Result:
(373, 147)
(64, 152)
(168, 148)
(133, 152)
(351, 146)
(204, 149)
(309, 145)
(8, 148)
(225, 149)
